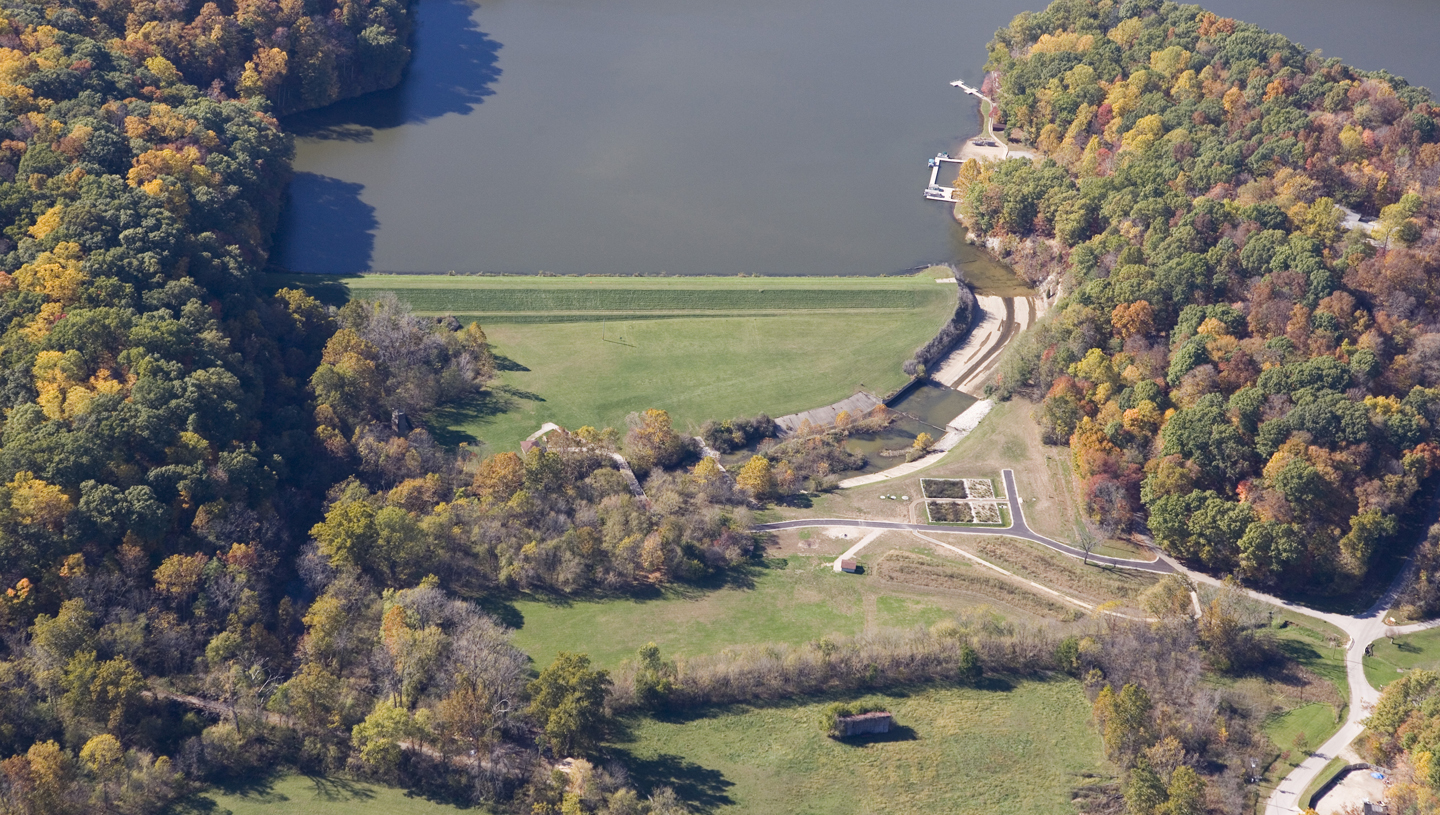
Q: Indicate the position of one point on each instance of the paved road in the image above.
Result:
(1016, 529)
(1362, 629)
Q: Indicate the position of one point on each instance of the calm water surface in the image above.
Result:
(642, 136)
(926, 409)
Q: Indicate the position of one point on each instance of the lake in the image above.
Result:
(649, 137)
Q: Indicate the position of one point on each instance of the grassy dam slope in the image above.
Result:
(590, 350)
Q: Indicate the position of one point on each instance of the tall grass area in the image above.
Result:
(792, 600)
(590, 350)
(1018, 750)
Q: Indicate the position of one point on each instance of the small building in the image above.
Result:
(849, 565)
(527, 445)
(864, 723)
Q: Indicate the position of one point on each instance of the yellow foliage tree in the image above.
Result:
(37, 503)
(707, 471)
(1127, 31)
(163, 69)
(500, 477)
(55, 274)
(1095, 368)
(1169, 61)
(47, 223)
(186, 165)
(756, 477)
(178, 576)
(1145, 132)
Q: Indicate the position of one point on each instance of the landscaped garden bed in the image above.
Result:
(943, 488)
(986, 513)
(979, 488)
(948, 513)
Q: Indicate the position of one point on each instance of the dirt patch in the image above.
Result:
(1355, 788)
(980, 487)
(910, 568)
(809, 542)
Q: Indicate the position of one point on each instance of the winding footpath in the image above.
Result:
(1362, 629)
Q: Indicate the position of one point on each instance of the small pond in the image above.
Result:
(926, 408)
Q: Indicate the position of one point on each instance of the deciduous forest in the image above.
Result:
(228, 543)
(1245, 353)
(220, 532)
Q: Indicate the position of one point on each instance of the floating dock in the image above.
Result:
(933, 190)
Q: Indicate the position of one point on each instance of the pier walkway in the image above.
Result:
(933, 190)
(960, 83)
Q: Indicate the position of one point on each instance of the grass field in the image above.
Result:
(313, 795)
(1017, 750)
(1319, 648)
(1311, 724)
(1419, 650)
(791, 600)
(590, 350)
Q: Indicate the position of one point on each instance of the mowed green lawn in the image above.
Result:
(960, 751)
(589, 350)
(800, 601)
(314, 795)
(1412, 651)
(1310, 724)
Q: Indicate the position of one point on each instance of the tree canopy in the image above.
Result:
(1236, 356)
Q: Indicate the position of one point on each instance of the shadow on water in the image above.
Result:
(925, 409)
(325, 227)
(451, 71)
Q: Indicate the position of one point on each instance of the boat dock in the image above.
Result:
(933, 190)
(960, 83)
(986, 147)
